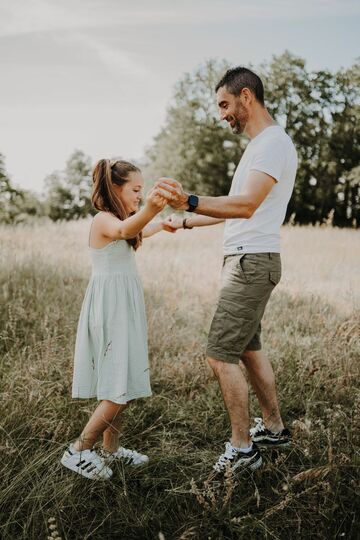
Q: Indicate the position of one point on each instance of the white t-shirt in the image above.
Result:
(273, 153)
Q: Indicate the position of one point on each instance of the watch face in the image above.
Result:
(193, 201)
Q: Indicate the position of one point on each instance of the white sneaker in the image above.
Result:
(130, 457)
(86, 463)
(235, 459)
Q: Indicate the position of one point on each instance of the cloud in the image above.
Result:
(115, 60)
(21, 16)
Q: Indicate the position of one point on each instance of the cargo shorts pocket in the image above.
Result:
(274, 276)
(228, 330)
(247, 268)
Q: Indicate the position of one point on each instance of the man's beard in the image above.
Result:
(241, 118)
(238, 127)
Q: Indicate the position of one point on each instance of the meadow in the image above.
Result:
(311, 332)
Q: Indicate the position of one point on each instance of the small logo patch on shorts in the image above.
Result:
(240, 248)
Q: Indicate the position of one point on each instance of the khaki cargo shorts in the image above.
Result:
(247, 281)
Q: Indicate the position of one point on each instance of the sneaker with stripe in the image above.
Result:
(236, 460)
(127, 456)
(266, 438)
(87, 463)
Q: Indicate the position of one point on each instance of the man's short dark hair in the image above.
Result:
(235, 79)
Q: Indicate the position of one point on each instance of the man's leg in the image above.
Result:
(247, 282)
(262, 379)
(234, 390)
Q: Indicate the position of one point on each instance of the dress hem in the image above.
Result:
(119, 401)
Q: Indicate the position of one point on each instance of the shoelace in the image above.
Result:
(229, 453)
(130, 454)
(260, 426)
(127, 452)
(96, 459)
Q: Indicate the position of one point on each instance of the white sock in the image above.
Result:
(246, 450)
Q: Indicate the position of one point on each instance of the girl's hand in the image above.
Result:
(155, 199)
(173, 222)
(167, 225)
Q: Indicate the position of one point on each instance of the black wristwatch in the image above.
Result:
(193, 202)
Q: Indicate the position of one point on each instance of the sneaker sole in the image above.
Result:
(263, 444)
(253, 465)
(126, 463)
(84, 473)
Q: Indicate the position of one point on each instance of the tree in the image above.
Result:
(348, 199)
(193, 146)
(319, 110)
(344, 145)
(8, 195)
(68, 192)
(16, 205)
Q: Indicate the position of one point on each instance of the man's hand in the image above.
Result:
(177, 196)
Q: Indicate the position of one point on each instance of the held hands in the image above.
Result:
(172, 189)
(156, 199)
(166, 225)
(167, 191)
(172, 223)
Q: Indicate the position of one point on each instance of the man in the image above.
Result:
(254, 211)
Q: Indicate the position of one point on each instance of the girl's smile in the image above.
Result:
(130, 193)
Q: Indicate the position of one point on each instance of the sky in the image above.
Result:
(98, 75)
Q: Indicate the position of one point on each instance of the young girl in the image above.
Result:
(111, 357)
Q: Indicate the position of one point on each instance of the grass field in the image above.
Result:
(311, 333)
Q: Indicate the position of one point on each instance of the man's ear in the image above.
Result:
(247, 96)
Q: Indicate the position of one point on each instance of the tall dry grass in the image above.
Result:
(311, 332)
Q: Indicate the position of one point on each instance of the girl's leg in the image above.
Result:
(112, 432)
(102, 418)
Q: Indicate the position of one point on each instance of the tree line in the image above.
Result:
(318, 109)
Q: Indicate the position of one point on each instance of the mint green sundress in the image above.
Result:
(111, 354)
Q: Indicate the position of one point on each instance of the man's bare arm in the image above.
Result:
(202, 221)
(254, 192)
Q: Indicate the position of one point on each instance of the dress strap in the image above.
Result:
(92, 221)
